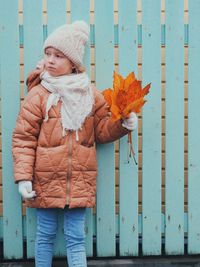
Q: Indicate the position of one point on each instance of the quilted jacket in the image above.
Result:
(63, 170)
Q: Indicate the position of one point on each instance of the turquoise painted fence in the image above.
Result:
(167, 143)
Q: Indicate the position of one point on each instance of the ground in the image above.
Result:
(172, 261)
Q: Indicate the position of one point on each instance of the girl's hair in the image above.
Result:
(78, 70)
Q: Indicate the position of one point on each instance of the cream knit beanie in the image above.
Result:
(70, 39)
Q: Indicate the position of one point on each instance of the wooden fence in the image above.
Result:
(157, 203)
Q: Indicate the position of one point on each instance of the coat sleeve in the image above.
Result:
(106, 130)
(25, 136)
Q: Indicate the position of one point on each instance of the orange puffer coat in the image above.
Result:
(63, 170)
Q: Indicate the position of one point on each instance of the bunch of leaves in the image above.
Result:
(126, 96)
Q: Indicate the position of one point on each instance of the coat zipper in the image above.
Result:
(69, 169)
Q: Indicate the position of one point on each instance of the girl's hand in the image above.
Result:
(131, 123)
(33, 78)
(25, 189)
(40, 65)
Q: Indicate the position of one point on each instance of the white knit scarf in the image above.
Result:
(76, 95)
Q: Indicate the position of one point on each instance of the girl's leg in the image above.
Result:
(74, 229)
(45, 236)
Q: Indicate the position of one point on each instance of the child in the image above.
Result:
(54, 153)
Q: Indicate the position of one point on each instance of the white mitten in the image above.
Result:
(131, 123)
(25, 189)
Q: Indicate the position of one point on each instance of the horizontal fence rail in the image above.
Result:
(150, 208)
(116, 34)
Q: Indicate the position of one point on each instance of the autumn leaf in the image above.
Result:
(126, 96)
(107, 95)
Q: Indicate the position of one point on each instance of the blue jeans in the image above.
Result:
(74, 232)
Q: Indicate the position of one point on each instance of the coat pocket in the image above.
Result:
(86, 158)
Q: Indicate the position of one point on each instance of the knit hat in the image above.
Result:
(70, 39)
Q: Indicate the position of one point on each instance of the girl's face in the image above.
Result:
(56, 63)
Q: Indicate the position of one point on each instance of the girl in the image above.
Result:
(54, 153)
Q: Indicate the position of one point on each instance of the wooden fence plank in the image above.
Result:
(56, 12)
(174, 242)
(151, 125)
(193, 130)
(128, 172)
(59, 249)
(80, 10)
(33, 34)
(10, 101)
(33, 40)
(104, 54)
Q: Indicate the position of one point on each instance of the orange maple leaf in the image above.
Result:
(126, 96)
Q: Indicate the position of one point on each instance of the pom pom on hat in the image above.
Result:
(82, 28)
(70, 39)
